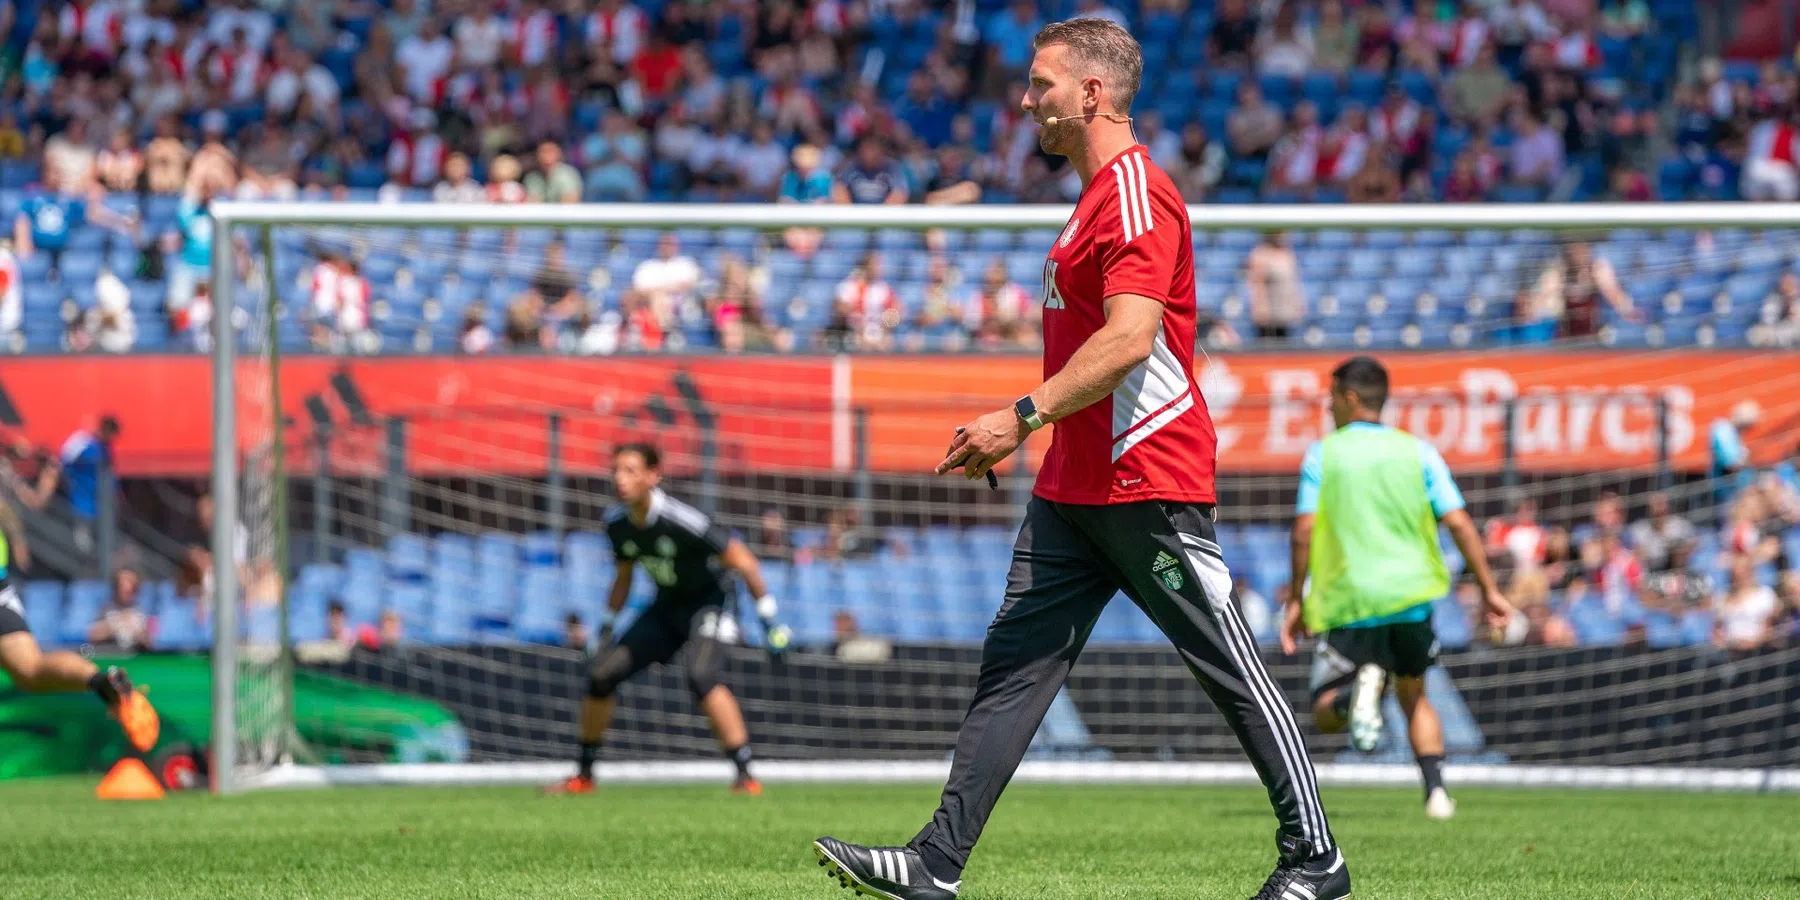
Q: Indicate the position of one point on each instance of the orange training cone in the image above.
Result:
(129, 780)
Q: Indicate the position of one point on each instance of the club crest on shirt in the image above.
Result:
(665, 546)
(1069, 232)
(630, 548)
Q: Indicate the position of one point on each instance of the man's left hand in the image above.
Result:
(983, 443)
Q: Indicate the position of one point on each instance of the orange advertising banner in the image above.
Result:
(1573, 411)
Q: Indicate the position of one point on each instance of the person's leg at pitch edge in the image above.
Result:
(1054, 593)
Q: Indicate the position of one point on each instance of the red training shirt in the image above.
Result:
(1153, 438)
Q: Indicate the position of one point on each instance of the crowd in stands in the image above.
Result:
(123, 119)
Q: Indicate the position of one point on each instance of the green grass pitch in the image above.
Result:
(689, 842)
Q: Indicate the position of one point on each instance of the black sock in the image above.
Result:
(588, 753)
(938, 866)
(740, 757)
(103, 687)
(1432, 767)
(1340, 703)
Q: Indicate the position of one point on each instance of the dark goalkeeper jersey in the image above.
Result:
(677, 545)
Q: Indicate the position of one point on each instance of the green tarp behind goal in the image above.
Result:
(57, 734)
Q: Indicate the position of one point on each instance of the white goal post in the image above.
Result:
(241, 761)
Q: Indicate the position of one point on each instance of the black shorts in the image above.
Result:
(1403, 649)
(663, 629)
(12, 612)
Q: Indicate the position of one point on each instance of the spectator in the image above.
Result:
(772, 542)
(1374, 38)
(423, 61)
(1619, 576)
(711, 172)
(1009, 37)
(616, 29)
(1784, 304)
(69, 160)
(503, 181)
(553, 181)
(1376, 182)
(953, 179)
(110, 325)
(1464, 185)
(924, 110)
(304, 88)
(575, 634)
(1334, 39)
(1001, 313)
(643, 329)
(122, 626)
(1573, 287)
(193, 242)
(1769, 166)
(668, 282)
(871, 177)
(1272, 278)
(12, 301)
(615, 160)
(1475, 95)
(268, 169)
(48, 218)
(474, 337)
(87, 461)
(340, 306)
(1533, 323)
(1284, 47)
(1747, 610)
(849, 644)
(867, 310)
(1537, 152)
(1198, 165)
(808, 181)
(1345, 147)
(34, 490)
(525, 327)
(1516, 24)
(165, 160)
(416, 158)
(761, 165)
(1296, 161)
(1517, 542)
(1655, 537)
(1233, 36)
(458, 184)
(120, 167)
(1679, 586)
(1252, 126)
(1608, 518)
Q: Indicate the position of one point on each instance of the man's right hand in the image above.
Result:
(1293, 628)
(1499, 610)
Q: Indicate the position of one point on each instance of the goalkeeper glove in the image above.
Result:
(778, 636)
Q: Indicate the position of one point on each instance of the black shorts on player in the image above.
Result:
(1402, 649)
(657, 636)
(12, 612)
(678, 546)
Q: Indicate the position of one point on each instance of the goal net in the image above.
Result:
(417, 406)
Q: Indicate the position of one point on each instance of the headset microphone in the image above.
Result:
(1052, 120)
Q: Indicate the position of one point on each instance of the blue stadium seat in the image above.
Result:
(365, 581)
(811, 605)
(82, 605)
(43, 607)
(542, 606)
(497, 577)
(866, 594)
(409, 556)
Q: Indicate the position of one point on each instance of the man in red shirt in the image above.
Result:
(1125, 500)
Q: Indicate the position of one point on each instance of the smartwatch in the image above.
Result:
(1028, 411)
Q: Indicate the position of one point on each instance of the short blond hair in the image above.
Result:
(1100, 44)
